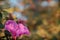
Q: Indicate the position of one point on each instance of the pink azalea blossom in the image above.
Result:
(16, 29)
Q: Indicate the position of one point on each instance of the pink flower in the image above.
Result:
(16, 29)
(22, 30)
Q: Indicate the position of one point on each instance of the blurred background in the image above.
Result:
(43, 18)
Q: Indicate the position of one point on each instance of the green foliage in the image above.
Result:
(1, 26)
